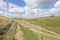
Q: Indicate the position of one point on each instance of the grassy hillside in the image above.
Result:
(4, 24)
(51, 23)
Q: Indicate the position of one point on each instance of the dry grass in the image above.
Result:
(51, 23)
(4, 22)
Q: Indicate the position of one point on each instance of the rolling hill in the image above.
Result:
(51, 23)
(30, 29)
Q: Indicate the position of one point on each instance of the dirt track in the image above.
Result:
(19, 34)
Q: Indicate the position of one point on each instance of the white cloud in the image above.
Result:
(56, 9)
(3, 13)
(3, 5)
(38, 12)
(9, 15)
(37, 3)
(14, 8)
(29, 12)
(11, 5)
(57, 5)
(35, 13)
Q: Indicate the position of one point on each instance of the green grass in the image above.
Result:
(28, 34)
(51, 23)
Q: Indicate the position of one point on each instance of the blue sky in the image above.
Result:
(21, 3)
(29, 8)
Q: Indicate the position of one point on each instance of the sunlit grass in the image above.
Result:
(51, 23)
